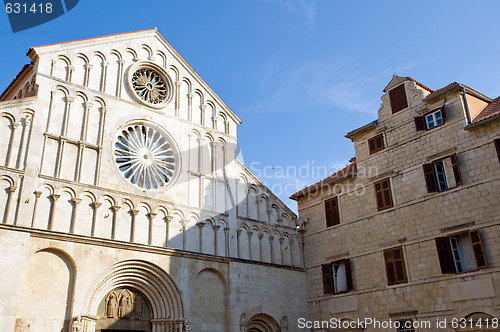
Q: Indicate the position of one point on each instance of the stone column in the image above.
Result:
(282, 239)
(177, 97)
(15, 125)
(168, 219)
(115, 209)
(89, 323)
(291, 251)
(260, 245)
(74, 201)
(120, 78)
(214, 122)
(99, 155)
(238, 233)
(133, 213)
(37, 197)
(151, 217)
(184, 234)
(271, 240)
(70, 73)
(203, 108)
(95, 206)
(21, 161)
(250, 244)
(200, 226)
(54, 198)
(88, 107)
(215, 228)
(88, 67)
(69, 101)
(12, 190)
(104, 74)
(190, 106)
(226, 241)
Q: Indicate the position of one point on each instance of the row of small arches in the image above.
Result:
(190, 104)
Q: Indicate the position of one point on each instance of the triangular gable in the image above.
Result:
(142, 38)
(395, 81)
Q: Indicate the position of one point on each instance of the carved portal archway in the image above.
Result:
(262, 323)
(134, 295)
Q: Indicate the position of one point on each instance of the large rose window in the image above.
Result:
(145, 157)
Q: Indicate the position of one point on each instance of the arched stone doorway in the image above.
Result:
(136, 296)
(262, 323)
(478, 321)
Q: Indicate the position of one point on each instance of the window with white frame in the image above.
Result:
(434, 119)
(461, 252)
(442, 174)
(337, 277)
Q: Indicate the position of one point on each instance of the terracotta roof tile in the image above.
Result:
(451, 86)
(342, 173)
(493, 109)
(420, 84)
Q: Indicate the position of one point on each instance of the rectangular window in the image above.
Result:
(431, 120)
(337, 276)
(395, 266)
(442, 174)
(497, 147)
(383, 194)
(398, 98)
(332, 212)
(461, 252)
(376, 143)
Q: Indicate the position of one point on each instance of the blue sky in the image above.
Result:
(299, 73)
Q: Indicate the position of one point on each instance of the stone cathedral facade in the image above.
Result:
(123, 206)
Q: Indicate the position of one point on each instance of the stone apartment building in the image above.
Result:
(123, 206)
(409, 231)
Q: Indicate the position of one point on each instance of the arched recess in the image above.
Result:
(47, 291)
(160, 291)
(262, 323)
(209, 302)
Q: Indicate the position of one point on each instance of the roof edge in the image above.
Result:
(23, 71)
(451, 87)
(359, 130)
(344, 173)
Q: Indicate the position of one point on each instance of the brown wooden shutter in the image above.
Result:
(376, 143)
(348, 274)
(394, 266)
(430, 178)
(379, 139)
(379, 195)
(477, 245)
(445, 255)
(326, 271)
(497, 147)
(389, 266)
(383, 194)
(371, 145)
(387, 193)
(444, 116)
(420, 123)
(397, 97)
(332, 212)
(399, 265)
(456, 169)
